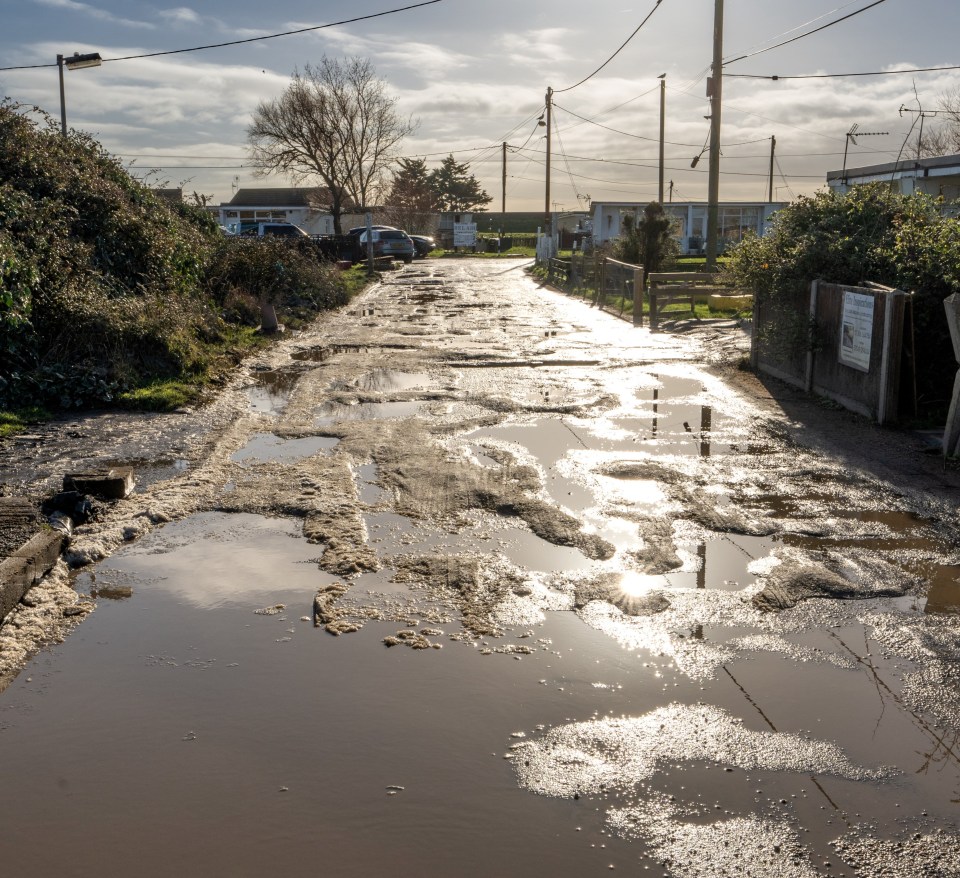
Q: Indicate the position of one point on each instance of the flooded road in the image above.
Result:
(475, 580)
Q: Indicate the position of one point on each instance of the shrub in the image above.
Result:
(283, 273)
(867, 234)
(649, 241)
(106, 287)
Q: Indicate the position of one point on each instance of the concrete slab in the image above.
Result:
(113, 484)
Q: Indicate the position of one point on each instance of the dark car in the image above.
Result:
(423, 244)
(389, 242)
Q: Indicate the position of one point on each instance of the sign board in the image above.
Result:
(464, 234)
(856, 330)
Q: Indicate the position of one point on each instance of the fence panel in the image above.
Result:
(781, 336)
(841, 342)
(872, 389)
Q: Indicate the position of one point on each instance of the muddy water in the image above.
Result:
(182, 731)
(198, 723)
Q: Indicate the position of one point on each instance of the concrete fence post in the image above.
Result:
(814, 288)
(892, 298)
(951, 433)
(638, 296)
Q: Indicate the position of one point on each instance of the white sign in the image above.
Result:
(464, 234)
(856, 330)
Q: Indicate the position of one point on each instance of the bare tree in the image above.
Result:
(337, 122)
(943, 137)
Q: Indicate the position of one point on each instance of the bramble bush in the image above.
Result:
(867, 234)
(105, 286)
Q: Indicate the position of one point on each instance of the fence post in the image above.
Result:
(951, 433)
(638, 296)
(814, 287)
(894, 298)
(602, 286)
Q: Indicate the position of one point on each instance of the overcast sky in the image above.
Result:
(475, 74)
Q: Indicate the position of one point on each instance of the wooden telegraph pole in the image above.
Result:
(714, 92)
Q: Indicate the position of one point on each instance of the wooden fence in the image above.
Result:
(841, 342)
(607, 283)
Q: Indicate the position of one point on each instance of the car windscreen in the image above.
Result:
(390, 235)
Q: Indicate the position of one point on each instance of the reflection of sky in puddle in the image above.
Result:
(391, 379)
(722, 563)
(331, 412)
(213, 559)
(267, 446)
(378, 582)
(393, 534)
(272, 391)
(368, 491)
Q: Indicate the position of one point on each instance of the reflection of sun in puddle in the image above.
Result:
(637, 585)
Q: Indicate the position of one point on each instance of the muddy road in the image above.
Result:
(472, 579)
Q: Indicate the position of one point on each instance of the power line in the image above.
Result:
(799, 26)
(652, 139)
(806, 34)
(776, 77)
(656, 6)
(288, 33)
(654, 166)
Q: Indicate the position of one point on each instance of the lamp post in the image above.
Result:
(76, 61)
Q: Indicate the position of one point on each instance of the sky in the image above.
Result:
(474, 75)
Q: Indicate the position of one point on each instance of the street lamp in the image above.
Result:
(76, 61)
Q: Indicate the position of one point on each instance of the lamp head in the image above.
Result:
(78, 61)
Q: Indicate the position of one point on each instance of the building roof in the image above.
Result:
(287, 196)
(936, 166)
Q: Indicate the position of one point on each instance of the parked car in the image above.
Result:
(276, 230)
(389, 242)
(423, 244)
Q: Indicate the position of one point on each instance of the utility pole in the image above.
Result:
(773, 148)
(503, 194)
(663, 98)
(671, 191)
(503, 180)
(548, 219)
(715, 92)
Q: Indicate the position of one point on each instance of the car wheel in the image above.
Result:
(408, 259)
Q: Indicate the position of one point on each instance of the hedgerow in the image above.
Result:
(105, 286)
(867, 234)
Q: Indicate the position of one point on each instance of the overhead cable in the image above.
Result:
(288, 33)
(656, 6)
(807, 33)
(776, 77)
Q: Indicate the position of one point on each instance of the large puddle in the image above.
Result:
(205, 707)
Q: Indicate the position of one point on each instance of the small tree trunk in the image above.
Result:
(268, 319)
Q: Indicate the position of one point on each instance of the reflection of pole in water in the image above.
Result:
(706, 417)
(702, 567)
(656, 398)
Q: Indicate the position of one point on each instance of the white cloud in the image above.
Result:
(180, 15)
(94, 12)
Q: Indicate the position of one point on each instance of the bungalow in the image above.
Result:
(690, 219)
(306, 208)
(938, 176)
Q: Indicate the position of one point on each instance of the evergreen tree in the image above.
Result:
(412, 202)
(649, 242)
(456, 189)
